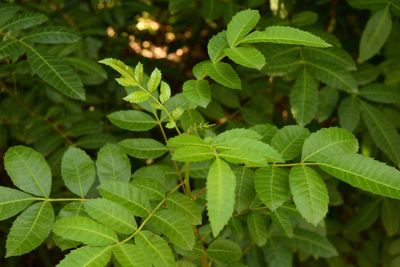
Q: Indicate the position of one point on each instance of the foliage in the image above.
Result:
(271, 146)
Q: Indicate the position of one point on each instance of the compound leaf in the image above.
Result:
(132, 120)
(289, 140)
(87, 256)
(224, 250)
(113, 164)
(155, 248)
(240, 25)
(143, 148)
(12, 202)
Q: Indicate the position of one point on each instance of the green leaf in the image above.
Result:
(246, 56)
(382, 131)
(224, 250)
(364, 218)
(285, 35)
(135, 97)
(277, 254)
(223, 74)
(328, 98)
(240, 25)
(257, 226)
(155, 248)
(216, 46)
(55, 72)
(185, 206)
(381, 93)
(365, 173)
(375, 34)
(190, 148)
(165, 92)
(77, 171)
(85, 230)
(272, 186)
(349, 113)
(143, 148)
(28, 170)
(12, 202)
(154, 80)
(174, 226)
(132, 120)
(281, 219)
(309, 193)
(52, 35)
(304, 18)
(333, 55)
(289, 140)
(23, 21)
(221, 184)
(245, 191)
(312, 243)
(87, 256)
(90, 72)
(7, 11)
(237, 133)
(328, 142)
(197, 92)
(11, 48)
(153, 188)
(113, 164)
(126, 195)
(390, 218)
(111, 214)
(121, 68)
(211, 9)
(30, 229)
(129, 255)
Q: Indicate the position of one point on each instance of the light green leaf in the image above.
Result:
(309, 193)
(165, 92)
(390, 218)
(382, 131)
(155, 248)
(365, 173)
(216, 46)
(272, 186)
(328, 142)
(83, 229)
(52, 35)
(143, 148)
(132, 120)
(111, 214)
(129, 255)
(126, 195)
(28, 170)
(121, 68)
(281, 219)
(77, 171)
(246, 56)
(237, 133)
(197, 92)
(200, 69)
(174, 226)
(185, 206)
(87, 256)
(328, 98)
(349, 113)
(12, 202)
(240, 25)
(245, 191)
(257, 226)
(221, 184)
(113, 164)
(224, 250)
(277, 254)
(332, 55)
(285, 35)
(190, 148)
(30, 229)
(312, 243)
(223, 74)
(135, 97)
(55, 72)
(154, 80)
(23, 21)
(375, 34)
(381, 93)
(289, 140)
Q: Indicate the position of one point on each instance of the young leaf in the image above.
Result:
(185, 206)
(223, 74)
(304, 98)
(375, 34)
(197, 92)
(246, 56)
(52, 35)
(143, 148)
(30, 229)
(155, 248)
(85, 230)
(28, 170)
(132, 120)
(240, 25)
(272, 186)
(154, 80)
(216, 46)
(221, 184)
(111, 214)
(257, 226)
(165, 92)
(77, 171)
(129, 255)
(284, 35)
(289, 140)
(190, 148)
(312, 243)
(349, 113)
(277, 254)
(121, 68)
(174, 226)
(87, 256)
(113, 164)
(224, 250)
(381, 93)
(328, 142)
(126, 195)
(12, 202)
(137, 96)
(281, 219)
(309, 193)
